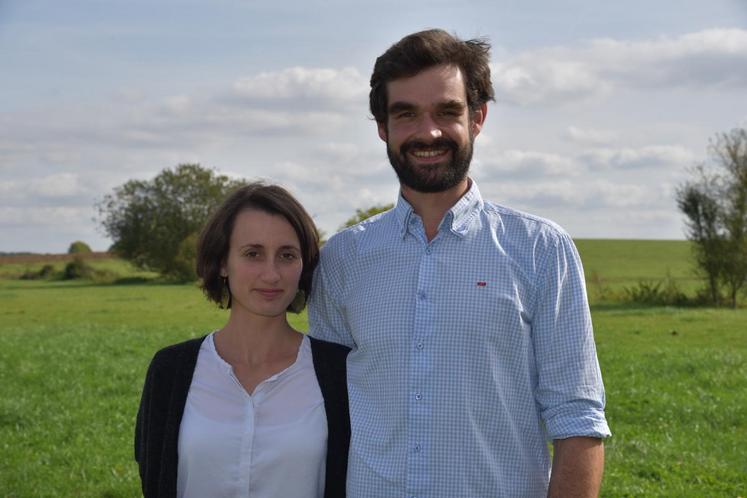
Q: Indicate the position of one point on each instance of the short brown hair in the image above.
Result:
(419, 51)
(214, 242)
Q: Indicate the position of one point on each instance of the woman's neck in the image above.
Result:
(256, 340)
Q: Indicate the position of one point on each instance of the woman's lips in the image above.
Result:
(269, 293)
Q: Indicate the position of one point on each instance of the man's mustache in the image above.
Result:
(436, 143)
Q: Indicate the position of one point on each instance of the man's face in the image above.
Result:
(429, 131)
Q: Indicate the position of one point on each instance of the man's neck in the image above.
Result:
(431, 207)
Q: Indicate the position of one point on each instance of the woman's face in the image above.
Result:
(263, 265)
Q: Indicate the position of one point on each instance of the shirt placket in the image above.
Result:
(247, 442)
(421, 354)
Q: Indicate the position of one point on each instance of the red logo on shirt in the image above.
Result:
(482, 284)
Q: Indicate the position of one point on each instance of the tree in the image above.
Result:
(697, 201)
(149, 220)
(184, 261)
(78, 247)
(363, 214)
(715, 206)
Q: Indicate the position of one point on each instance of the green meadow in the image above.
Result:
(74, 355)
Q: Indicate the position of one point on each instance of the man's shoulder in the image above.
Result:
(514, 223)
(376, 229)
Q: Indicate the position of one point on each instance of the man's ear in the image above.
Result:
(478, 118)
(382, 130)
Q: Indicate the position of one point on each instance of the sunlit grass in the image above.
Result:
(74, 356)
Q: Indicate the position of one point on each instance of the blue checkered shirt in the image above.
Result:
(469, 352)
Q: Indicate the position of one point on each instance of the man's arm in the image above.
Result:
(326, 319)
(577, 467)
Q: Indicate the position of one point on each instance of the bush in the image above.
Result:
(46, 272)
(77, 269)
(185, 260)
(657, 293)
(79, 247)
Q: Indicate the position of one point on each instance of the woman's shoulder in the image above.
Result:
(174, 354)
(325, 348)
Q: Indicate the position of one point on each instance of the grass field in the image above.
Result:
(612, 265)
(74, 355)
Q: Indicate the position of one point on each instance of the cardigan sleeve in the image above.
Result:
(330, 366)
(159, 416)
(151, 417)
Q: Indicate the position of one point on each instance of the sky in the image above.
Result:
(602, 108)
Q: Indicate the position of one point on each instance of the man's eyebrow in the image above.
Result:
(399, 106)
(456, 105)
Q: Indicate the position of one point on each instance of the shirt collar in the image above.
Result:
(457, 219)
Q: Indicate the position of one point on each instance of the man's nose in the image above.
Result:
(429, 128)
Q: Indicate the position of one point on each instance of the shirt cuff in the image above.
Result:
(589, 423)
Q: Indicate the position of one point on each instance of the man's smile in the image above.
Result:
(430, 153)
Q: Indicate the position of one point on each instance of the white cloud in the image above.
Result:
(590, 137)
(311, 85)
(577, 195)
(44, 216)
(59, 185)
(709, 59)
(652, 156)
(542, 77)
(523, 163)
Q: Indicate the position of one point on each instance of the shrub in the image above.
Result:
(78, 247)
(184, 261)
(657, 293)
(46, 272)
(77, 269)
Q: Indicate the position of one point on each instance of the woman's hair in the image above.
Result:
(420, 51)
(215, 238)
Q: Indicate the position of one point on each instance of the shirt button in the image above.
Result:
(420, 345)
(417, 448)
(428, 250)
(418, 396)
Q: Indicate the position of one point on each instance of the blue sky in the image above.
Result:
(601, 106)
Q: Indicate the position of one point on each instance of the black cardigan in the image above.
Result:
(165, 394)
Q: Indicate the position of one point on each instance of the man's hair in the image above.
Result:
(214, 242)
(419, 51)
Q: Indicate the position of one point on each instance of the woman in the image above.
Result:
(256, 408)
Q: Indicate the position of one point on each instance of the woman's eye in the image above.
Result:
(251, 254)
(289, 256)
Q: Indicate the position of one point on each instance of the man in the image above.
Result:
(471, 337)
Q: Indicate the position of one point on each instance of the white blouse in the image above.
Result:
(267, 445)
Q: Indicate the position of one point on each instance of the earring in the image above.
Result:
(226, 291)
(298, 303)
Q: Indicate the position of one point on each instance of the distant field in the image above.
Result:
(74, 355)
(616, 264)
(12, 267)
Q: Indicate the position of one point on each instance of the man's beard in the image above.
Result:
(436, 177)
